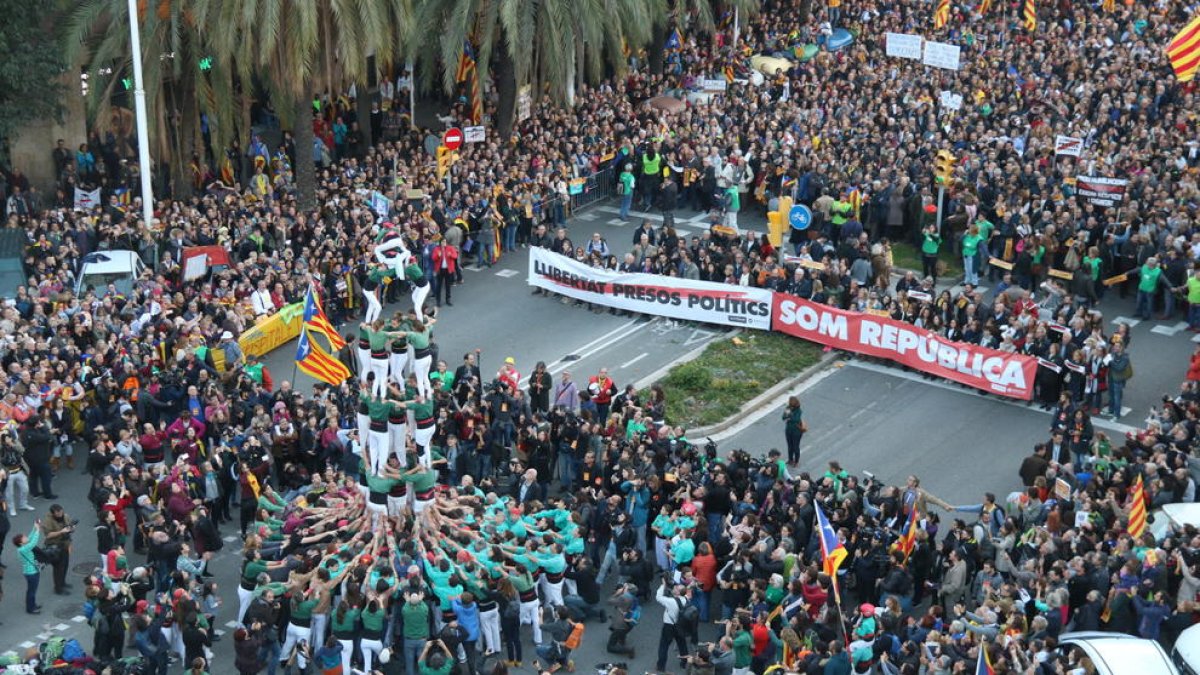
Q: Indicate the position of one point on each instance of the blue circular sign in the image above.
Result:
(800, 217)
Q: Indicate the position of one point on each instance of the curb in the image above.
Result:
(659, 374)
(774, 391)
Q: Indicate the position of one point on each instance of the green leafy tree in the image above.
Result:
(699, 15)
(31, 67)
(549, 44)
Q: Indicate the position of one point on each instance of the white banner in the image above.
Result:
(941, 55)
(718, 84)
(904, 46)
(474, 134)
(651, 294)
(195, 267)
(951, 100)
(86, 201)
(380, 204)
(1068, 145)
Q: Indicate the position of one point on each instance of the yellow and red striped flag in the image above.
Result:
(1029, 14)
(985, 7)
(941, 15)
(1137, 510)
(1109, 6)
(1184, 51)
(313, 360)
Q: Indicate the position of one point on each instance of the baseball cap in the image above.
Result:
(510, 360)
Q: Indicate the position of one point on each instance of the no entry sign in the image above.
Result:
(453, 138)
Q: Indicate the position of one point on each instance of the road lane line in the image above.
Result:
(635, 359)
(583, 350)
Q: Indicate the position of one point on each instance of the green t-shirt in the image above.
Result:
(931, 243)
(426, 670)
(413, 273)
(743, 644)
(1193, 291)
(373, 621)
(420, 340)
(444, 381)
(252, 569)
(422, 481)
(378, 410)
(970, 245)
(626, 180)
(379, 340)
(1148, 279)
(416, 620)
(348, 622)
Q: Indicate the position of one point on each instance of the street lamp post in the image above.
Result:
(139, 105)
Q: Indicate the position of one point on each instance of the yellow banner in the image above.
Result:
(277, 329)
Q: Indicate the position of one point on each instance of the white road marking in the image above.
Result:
(1168, 331)
(582, 351)
(698, 335)
(79, 619)
(27, 645)
(507, 273)
(231, 624)
(635, 359)
(61, 626)
(589, 216)
(230, 539)
(913, 377)
(617, 222)
(774, 405)
(1127, 321)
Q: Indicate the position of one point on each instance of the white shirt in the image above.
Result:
(262, 303)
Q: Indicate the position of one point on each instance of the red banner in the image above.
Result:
(987, 369)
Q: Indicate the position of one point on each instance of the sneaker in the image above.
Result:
(28, 508)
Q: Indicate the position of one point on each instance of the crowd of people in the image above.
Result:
(437, 513)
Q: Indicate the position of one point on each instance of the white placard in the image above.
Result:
(380, 204)
(941, 55)
(474, 134)
(904, 46)
(86, 201)
(195, 267)
(951, 101)
(1068, 145)
(718, 84)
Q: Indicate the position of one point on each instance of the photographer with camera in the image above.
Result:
(57, 530)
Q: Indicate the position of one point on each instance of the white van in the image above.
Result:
(101, 268)
(1119, 653)
(1187, 651)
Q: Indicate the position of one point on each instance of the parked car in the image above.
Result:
(99, 269)
(1118, 653)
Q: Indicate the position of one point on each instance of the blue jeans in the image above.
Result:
(412, 649)
(1168, 303)
(1194, 316)
(1116, 388)
(626, 204)
(702, 600)
(609, 562)
(510, 237)
(487, 248)
(503, 433)
(582, 608)
(1145, 305)
(31, 586)
(971, 274)
(716, 522)
(269, 653)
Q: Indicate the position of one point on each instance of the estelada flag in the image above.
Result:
(316, 321)
(1137, 510)
(984, 665)
(1109, 6)
(832, 550)
(313, 360)
(908, 539)
(1184, 51)
(1029, 14)
(941, 15)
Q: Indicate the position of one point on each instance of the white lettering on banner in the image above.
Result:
(1007, 374)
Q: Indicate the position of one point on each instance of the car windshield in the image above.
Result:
(122, 280)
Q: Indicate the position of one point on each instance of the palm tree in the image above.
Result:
(703, 16)
(287, 44)
(549, 44)
(97, 38)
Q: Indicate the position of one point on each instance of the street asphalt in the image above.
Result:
(867, 416)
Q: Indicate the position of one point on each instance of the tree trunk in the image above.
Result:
(805, 11)
(656, 51)
(306, 170)
(506, 90)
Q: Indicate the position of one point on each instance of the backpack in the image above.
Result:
(634, 615)
(576, 637)
(688, 618)
(73, 651)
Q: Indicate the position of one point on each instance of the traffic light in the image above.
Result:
(445, 159)
(943, 167)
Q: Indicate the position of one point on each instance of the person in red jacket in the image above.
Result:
(602, 389)
(445, 268)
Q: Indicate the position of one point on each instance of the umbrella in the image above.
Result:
(666, 104)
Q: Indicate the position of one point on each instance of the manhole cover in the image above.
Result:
(69, 611)
(83, 569)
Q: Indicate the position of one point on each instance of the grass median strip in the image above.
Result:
(907, 256)
(727, 375)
